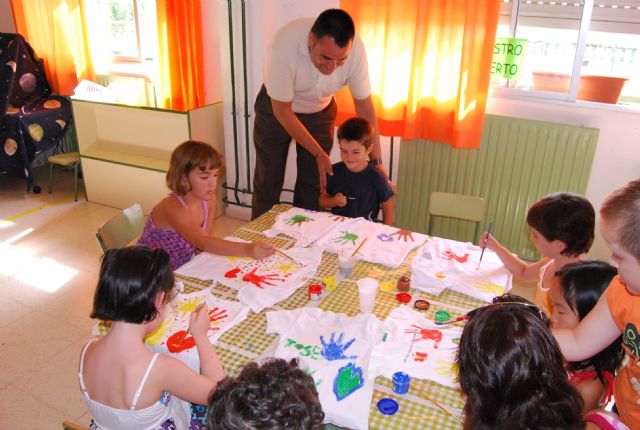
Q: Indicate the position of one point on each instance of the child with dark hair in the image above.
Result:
(576, 291)
(357, 188)
(562, 226)
(276, 395)
(124, 385)
(512, 373)
(182, 222)
(618, 310)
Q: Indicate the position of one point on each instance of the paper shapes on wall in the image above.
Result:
(260, 283)
(444, 263)
(384, 245)
(418, 347)
(335, 349)
(305, 226)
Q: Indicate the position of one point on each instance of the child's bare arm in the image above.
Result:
(199, 325)
(188, 228)
(521, 270)
(594, 333)
(328, 202)
(387, 212)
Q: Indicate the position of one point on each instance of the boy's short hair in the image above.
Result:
(622, 207)
(512, 372)
(276, 395)
(336, 24)
(567, 217)
(186, 157)
(357, 129)
(130, 280)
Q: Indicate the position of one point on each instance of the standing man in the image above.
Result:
(306, 64)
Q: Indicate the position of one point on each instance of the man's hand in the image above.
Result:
(324, 169)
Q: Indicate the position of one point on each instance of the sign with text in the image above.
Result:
(508, 57)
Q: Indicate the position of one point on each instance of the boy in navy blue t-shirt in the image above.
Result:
(357, 188)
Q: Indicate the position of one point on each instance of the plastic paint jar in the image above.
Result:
(403, 283)
(315, 291)
(401, 382)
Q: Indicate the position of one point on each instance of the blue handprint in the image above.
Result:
(384, 237)
(334, 349)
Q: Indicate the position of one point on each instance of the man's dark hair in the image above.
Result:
(334, 23)
(276, 395)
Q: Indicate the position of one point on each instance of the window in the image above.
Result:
(573, 49)
(123, 41)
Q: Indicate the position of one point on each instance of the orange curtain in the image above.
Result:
(429, 65)
(180, 52)
(56, 31)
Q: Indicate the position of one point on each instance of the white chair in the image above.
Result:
(121, 228)
(458, 206)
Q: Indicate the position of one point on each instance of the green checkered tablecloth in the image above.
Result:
(249, 340)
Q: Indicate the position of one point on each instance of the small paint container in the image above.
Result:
(403, 297)
(443, 316)
(403, 283)
(315, 291)
(421, 305)
(388, 406)
(401, 382)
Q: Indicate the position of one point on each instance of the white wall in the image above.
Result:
(6, 18)
(617, 157)
(211, 36)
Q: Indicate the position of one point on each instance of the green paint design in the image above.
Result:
(348, 380)
(346, 238)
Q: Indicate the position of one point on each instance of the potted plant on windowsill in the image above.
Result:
(595, 88)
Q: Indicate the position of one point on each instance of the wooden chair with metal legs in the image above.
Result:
(457, 206)
(121, 228)
(70, 425)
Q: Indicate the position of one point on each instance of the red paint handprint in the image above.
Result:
(450, 255)
(338, 218)
(233, 273)
(216, 316)
(426, 334)
(180, 341)
(261, 279)
(403, 234)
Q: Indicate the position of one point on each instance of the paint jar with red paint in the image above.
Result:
(315, 291)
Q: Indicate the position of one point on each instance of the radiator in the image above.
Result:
(518, 162)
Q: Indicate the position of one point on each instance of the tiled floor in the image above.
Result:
(49, 261)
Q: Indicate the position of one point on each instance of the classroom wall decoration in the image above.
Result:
(335, 350)
(418, 347)
(260, 283)
(306, 226)
(444, 263)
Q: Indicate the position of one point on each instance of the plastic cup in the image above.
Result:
(367, 289)
(346, 262)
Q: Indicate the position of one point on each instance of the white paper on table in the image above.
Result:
(384, 245)
(417, 346)
(444, 263)
(327, 345)
(172, 336)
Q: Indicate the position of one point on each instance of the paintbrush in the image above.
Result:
(358, 248)
(485, 245)
(455, 320)
(426, 396)
(284, 254)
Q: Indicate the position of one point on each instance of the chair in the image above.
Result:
(66, 160)
(121, 228)
(70, 425)
(458, 206)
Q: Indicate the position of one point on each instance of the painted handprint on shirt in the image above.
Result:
(217, 315)
(450, 255)
(384, 237)
(334, 349)
(258, 280)
(403, 234)
(425, 334)
(339, 218)
(346, 238)
(298, 220)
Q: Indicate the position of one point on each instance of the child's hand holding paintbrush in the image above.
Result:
(199, 324)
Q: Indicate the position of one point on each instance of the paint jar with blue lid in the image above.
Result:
(401, 382)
